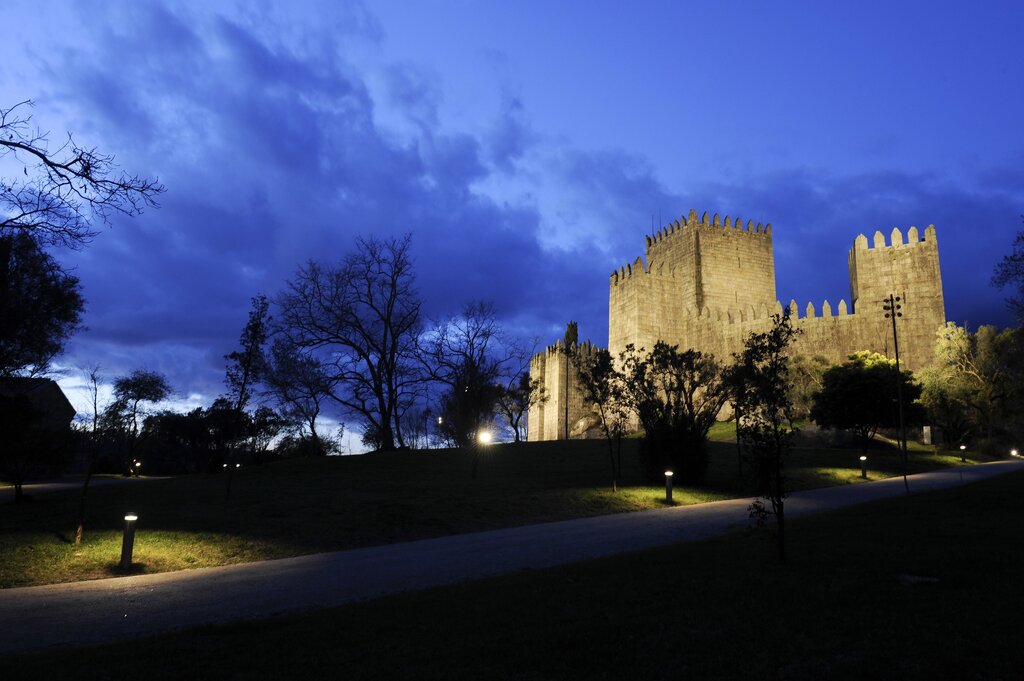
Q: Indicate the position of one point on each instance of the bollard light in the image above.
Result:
(485, 437)
(128, 540)
(668, 487)
(1013, 452)
(963, 453)
(864, 467)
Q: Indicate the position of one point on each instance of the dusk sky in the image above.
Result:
(527, 146)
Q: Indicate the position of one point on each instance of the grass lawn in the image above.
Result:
(307, 506)
(926, 587)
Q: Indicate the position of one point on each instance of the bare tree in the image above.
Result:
(515, 399)
(62, 191)
(361, 320)
(467, 355)
(300, 385)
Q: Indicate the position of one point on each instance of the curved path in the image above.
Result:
(82, 613)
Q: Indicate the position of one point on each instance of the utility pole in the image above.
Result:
(892, 307)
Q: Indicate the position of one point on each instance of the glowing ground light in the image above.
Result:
(668, 486)
(128, 540)
(485, 437)
(864, 467)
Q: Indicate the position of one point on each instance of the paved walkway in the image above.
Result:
(45, 617)
(68, 483)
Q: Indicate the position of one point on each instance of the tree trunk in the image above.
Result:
(780, 518)
(739, 447)
(80, 529)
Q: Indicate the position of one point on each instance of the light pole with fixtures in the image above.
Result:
(892, 307)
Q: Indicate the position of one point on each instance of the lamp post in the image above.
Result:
(668, 487)
(128, 540)
(892, 307)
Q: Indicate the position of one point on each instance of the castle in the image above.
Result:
(707, 285)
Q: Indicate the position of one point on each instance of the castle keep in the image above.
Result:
(708, 285)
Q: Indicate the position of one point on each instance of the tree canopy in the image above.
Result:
(40, 306)
(762, 388)
(860, 396)
(676, 395)
(974, 389)
(1010, 272)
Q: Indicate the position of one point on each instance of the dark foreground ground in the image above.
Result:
(908, 588)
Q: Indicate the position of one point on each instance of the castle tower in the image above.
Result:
(547, 421)
(907, 269)
(694, 266)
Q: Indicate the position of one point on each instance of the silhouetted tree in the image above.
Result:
(61, 192)
(467, 355)
(246, 368)
(265, 424)
(765, 431)
(93, 447)
(55, 199)
(40, 305)
(1010, 272)
(601, 386)
(515, 400)
(676, 396)
(124, 414)
(361, 320)
(299, 384)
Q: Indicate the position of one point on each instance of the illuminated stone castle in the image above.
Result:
(707, 285)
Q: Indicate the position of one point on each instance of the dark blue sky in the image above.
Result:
(527, 146)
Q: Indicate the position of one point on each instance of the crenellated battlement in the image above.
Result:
(556, 348)
(895, 239)
(715, 221)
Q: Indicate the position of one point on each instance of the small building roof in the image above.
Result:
(43, 393)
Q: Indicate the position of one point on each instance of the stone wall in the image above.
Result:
(547, 421)
(707, 285)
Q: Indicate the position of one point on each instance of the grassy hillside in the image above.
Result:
(307, 506)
